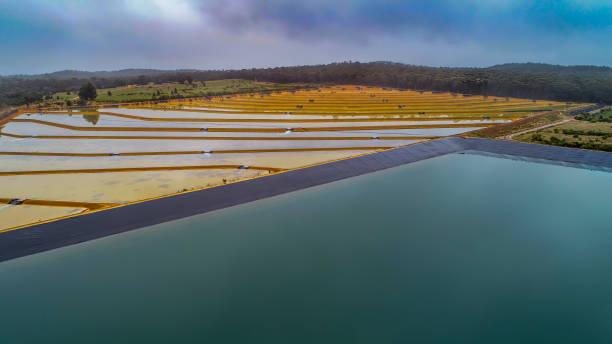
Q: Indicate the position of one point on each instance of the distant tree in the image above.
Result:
(31, 98)
(68, 102)
(88, 92)
(109, 93)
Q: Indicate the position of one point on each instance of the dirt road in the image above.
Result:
(509, 137)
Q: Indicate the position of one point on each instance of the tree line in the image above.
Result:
(532, 81)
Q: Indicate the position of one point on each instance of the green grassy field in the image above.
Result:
(576, 134)
(132, 93)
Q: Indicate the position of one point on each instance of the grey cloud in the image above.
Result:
(41, 36)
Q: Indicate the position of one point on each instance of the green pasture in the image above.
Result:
(133, 93)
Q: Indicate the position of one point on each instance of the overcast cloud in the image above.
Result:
(42, 36)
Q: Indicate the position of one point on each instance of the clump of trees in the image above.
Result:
(555, 141)
(88, 92)
(605, 116)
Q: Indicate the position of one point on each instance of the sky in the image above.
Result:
(38, 36)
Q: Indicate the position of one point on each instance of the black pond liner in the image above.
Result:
(69, 231)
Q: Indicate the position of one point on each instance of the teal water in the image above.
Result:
(456, 249)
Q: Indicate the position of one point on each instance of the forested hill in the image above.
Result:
(530, 80)
(547, 68)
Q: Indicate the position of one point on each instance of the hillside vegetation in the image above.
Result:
(173, 90)
(533, 81)
(586, 131)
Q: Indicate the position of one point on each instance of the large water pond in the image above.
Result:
(456, 249)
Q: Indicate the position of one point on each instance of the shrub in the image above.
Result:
(537, 137)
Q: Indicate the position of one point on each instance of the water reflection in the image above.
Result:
(93, 119)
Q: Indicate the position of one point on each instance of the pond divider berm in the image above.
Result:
(51, 203)
(73, 230)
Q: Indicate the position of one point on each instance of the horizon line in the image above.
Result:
(291, 66)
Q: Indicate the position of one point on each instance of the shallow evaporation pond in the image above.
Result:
(97, 121)
(133, 145)
(115, 187)
(18, 215)
(284, 160)
(204, 114)
(455, 249)
(35, 129)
